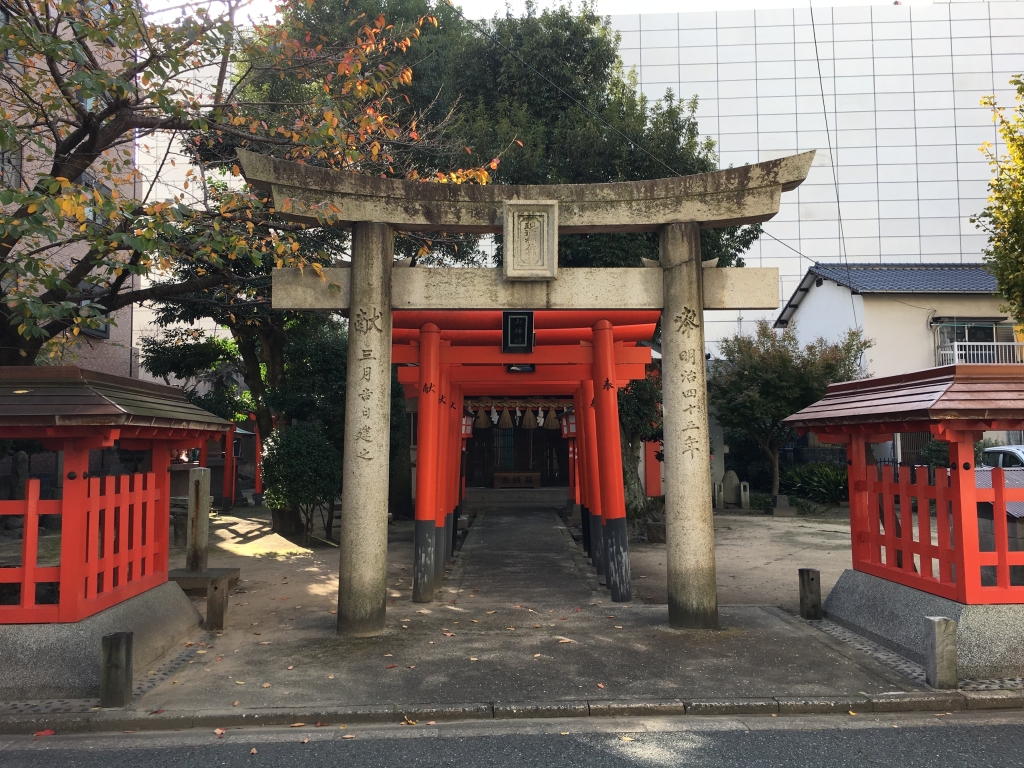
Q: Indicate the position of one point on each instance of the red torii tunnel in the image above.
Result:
(586, 355)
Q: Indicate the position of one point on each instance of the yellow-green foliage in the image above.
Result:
(1003, 217)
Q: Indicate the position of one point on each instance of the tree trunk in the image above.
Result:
(774, 455)
(246, 341)
(636, 497)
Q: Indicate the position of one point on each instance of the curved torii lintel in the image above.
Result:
(744, 195)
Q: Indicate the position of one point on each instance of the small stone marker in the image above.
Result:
(217, 602)
(719, 500)
(198, 520)
(810, 594)
(116, 670)
(744, 495)
(940, 653)
(731, 487)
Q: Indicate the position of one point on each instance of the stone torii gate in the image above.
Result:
(530, 217)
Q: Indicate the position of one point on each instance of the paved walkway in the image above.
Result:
(520, 620)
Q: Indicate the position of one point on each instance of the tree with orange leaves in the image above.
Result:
(81, 83)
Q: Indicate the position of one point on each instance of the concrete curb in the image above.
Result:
(109, 720)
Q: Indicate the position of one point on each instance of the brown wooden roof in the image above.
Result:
(70, 396)
(964, 392)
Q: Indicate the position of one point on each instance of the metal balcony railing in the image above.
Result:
(980, 352)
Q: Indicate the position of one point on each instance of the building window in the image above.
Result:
(88, 179)
(101, 331)
(10, 168)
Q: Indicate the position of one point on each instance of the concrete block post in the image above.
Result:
(217, 602)
(744, 495)
(719, 501)
(810, 594)
(363, 535)
(689, 520)
(116, 670)
(940, 653)
(197, 534)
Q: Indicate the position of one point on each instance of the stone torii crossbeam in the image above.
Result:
(530, 217)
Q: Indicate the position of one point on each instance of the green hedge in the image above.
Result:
(824, 483)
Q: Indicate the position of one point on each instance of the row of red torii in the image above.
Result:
(594, 318)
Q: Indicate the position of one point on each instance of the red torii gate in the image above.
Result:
(588, 355)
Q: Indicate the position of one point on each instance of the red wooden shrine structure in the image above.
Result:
(113, 541)
(446, 357)
(950, 530)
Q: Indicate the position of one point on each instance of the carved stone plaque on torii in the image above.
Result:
(369, 290)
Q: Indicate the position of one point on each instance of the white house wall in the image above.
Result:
(900, 326)
(827, 311)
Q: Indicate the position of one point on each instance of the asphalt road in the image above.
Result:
(963, 739)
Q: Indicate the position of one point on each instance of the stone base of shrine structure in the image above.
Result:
(62, 661)
(988, 636)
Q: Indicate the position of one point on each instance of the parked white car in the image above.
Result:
(1006, 456)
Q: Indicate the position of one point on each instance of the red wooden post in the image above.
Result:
(159, 510)
(229, 466)
(606, 402)
(30, 544)
(74, 517)
(426, 463)
(857, 470)
(965, 518)
(652, 469)
(999, 528)
(595, 503)
(441, 447)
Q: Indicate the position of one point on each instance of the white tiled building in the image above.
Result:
(888, 95)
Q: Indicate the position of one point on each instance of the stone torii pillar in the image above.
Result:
(689, 527)
(530, 219)
(363, 538)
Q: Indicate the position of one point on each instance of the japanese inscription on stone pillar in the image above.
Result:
(530, 240)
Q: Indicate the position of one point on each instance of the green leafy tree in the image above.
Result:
(639, 422)
(759, 380)
(1003, 218)
(302, 469)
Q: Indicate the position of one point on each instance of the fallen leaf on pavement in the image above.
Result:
(430, 722)
(342, 727)
(220, 732)
(305, 740)
(262, 642)
(189, 644)
(517, 606)
(321, 725)
(423, 610)
(236, 703)
(266, 685)
(473, 658)
(257, 633)
(474, 621)
(253, 751)
(536, 626)
(577, 610)
(490, 612)
(296, 725)
(330, 677)
(600, 685)
(511, 629)
(387, 654)
(609, 617)
(412, 666)
(536, 655)
(853, 713)
(448, 634)
(618, 626)
(564, 733)
(201, 651)
(239, 682)
(564, 640)
(47, 732)
(157, 712)
(291, 666)
(392, 666)
(626, 738)
(348, 736)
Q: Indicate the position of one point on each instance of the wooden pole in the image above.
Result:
(613, 499)
(426, 464)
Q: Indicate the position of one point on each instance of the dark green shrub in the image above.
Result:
(824, 483)
(301, 469)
